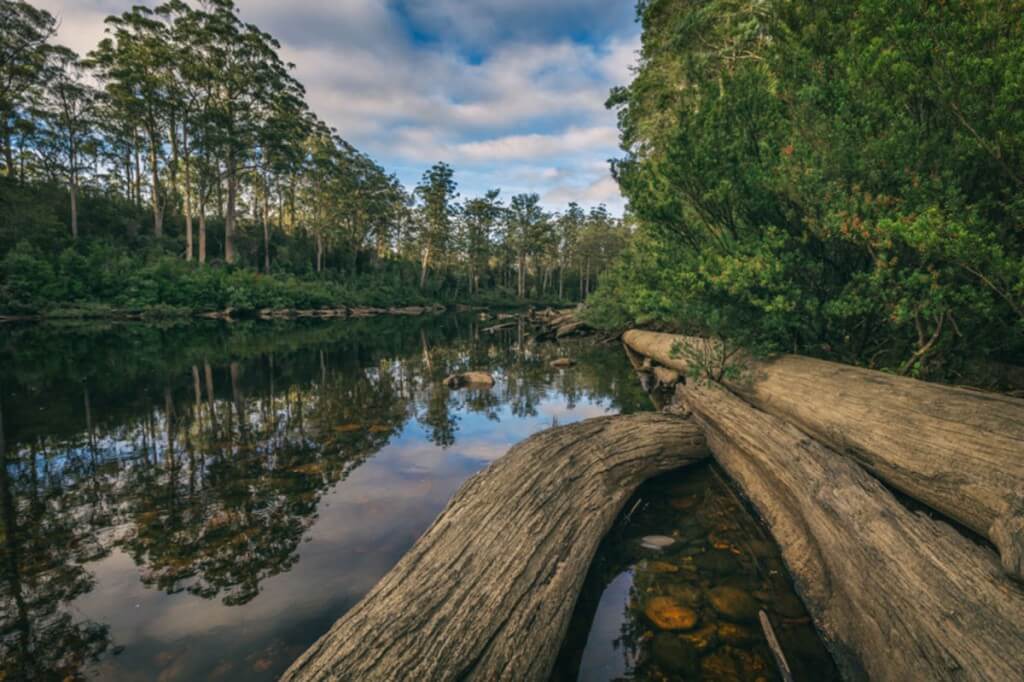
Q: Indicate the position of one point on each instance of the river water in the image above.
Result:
(202, 501)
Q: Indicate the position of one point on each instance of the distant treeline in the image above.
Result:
(833, 178)
(183, 136)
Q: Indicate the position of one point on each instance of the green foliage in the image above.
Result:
(838, 179)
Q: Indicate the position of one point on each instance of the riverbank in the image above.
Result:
(167, 312)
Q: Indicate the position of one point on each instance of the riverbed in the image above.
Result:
(201, 501)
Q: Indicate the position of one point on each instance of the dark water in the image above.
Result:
(201, 502)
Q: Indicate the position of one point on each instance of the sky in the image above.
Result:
(509, 92)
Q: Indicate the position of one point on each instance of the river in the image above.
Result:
(201, 501)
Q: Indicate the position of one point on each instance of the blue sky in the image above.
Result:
(509, 92)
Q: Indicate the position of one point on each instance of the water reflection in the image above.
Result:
(690, 610)
(171, 498)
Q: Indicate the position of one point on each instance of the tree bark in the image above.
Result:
(189, 244)
(959, 451)
(898, 595)
(229, 218)
(487, 592)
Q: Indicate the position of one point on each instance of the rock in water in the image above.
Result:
(465, 379)
(702, 639)
(673, 655)
(668, 614)
(657, 542)
(733, 603)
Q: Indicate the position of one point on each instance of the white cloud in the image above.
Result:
(505, 91)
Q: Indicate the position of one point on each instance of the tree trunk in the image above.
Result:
(956, 450)
(487, 592)
(266, 231)
(424, 266)
(202, 234)
(898, 595)
(158, 214)
(73, 197)
(189, 248)
(8, 146)
(229, 218)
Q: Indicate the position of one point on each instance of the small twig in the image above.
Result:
(773, 644)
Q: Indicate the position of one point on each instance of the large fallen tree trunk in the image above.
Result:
(488, 591)
(898, 595)
(959, 451)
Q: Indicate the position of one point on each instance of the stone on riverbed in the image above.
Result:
(733, 603)
(657, 542)
(673, 655)
(668, 614)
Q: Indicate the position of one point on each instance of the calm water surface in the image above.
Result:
(202, 501)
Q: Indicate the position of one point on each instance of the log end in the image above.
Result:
(1007, 534)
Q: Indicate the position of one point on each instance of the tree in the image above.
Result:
(528, 227)
(133, 63)
(480, 216)
(24, 32)
(68, 108)
(437, 193)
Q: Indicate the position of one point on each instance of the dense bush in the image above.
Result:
(841, 179)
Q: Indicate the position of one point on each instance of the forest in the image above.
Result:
(178, 167)
(839, 179)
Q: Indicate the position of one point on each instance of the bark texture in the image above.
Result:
(898, 595)
(959, 451)
(487, 592)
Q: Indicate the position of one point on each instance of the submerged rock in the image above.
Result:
(703, 638)
(718, 562)
(668, 614)
(657, 542)
(469, 379)
(733, 633)
(721, 665)
(684, 503)
(673, 655)
(733, 603)
(687, 594)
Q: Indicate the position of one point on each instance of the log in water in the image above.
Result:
(959, 451)
(899, 596)
(488, 591)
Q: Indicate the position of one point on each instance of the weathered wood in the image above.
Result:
(898, 595)
(488, 591)
(959, 451)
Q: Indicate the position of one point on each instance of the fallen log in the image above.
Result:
(958, 451)
(487, 592)
(898, 595)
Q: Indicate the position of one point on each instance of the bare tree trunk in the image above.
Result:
(202, 234)
(73, 195)
(488, 591)
(266, 231)
(898, 595)
(158, 214)
(189, 249)
(229, 219)
(424, 266)
(956, 450)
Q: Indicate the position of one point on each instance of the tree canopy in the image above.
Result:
(837, 179)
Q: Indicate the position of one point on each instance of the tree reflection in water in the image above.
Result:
(203, 452)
